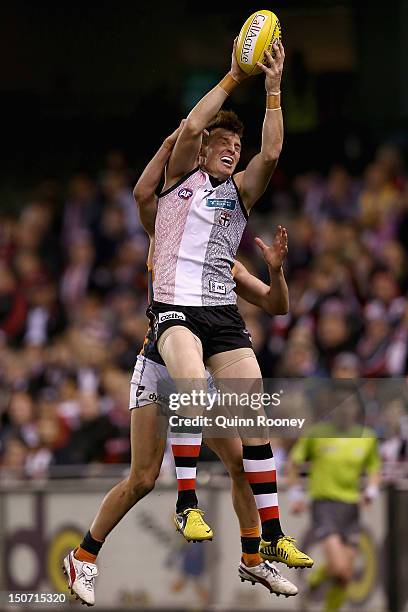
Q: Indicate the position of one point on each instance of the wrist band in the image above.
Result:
(273, 101)
(228, 83)
(371, 492)
(273, 109)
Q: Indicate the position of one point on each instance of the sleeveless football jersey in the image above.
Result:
(199, 225)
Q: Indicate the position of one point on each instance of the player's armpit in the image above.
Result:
(253, 181)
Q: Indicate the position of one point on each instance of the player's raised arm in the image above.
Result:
(274, 298)
(144, 192)
(185, 153)
(253, 181)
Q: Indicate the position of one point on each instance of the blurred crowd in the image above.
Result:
(73, 292)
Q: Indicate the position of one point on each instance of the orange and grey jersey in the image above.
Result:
(199, 225)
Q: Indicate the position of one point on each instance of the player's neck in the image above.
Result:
(214, 177)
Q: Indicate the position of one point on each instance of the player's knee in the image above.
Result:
(236, 470)
(346, 573)
(340, 570)
(140, 484)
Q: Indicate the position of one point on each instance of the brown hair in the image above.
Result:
(227, 120)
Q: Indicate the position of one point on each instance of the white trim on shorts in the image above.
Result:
(150, 380)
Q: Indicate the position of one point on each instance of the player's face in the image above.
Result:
(223, 153)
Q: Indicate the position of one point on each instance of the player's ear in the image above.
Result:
(205, 137)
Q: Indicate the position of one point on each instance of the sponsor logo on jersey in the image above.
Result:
(224, 203)
(185, 193)
(171, 315)
(216, 287)
(224, 219)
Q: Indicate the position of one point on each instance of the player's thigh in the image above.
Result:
(182, 352)
(237, 372)
(147, 439)
(148, 424)
(237, 363)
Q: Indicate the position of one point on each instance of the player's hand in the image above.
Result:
(275, 254)
(171, 140)
(236, 72)
(273, 68)
(370, 494)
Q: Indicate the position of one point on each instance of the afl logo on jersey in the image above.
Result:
(224, 219)
(185, 194)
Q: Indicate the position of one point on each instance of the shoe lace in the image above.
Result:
(270, 569)
(89, 582)
(89, 579)
(288, 539)
(196, 516)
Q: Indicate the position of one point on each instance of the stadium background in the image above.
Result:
(88, 92)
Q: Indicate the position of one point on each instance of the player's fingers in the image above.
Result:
(269, 58)
(281, 49)
(277, 51)
(261, 244)
(262, 67)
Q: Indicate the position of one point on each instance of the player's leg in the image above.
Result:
(252, 568)
(182, 353)
(241, 364)
(339, 565)
(147, 456)
(339, 558)
(147, 448)
(259, 465)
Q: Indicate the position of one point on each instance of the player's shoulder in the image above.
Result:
(179, 182)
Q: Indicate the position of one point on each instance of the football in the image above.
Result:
(257, 35)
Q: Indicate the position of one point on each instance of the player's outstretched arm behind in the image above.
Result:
(274, 299)
(144, 192)
(185, 153)
(253, 181)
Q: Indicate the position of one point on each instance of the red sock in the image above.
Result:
(259, 466)
(186, 450)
